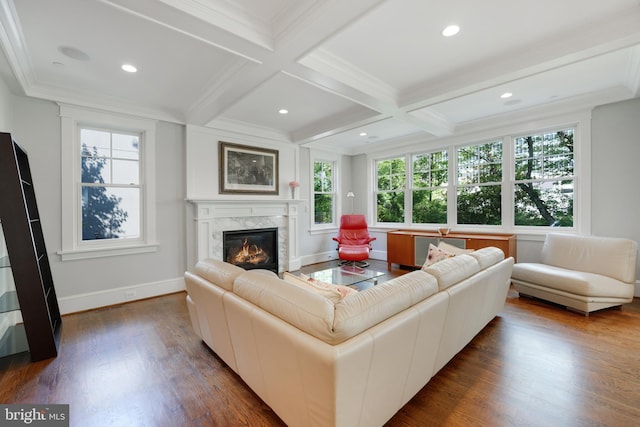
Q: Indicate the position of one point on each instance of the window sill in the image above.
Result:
(76, 254)
(323, 230)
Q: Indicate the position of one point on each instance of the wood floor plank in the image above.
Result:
(536, 364)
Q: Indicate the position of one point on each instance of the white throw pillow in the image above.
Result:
(436, 254)
(447, 247)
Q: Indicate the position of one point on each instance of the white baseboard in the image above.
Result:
(319, 257)
(90, 301)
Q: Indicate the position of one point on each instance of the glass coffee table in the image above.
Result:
(348, 275)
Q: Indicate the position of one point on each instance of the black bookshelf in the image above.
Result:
(27, 252)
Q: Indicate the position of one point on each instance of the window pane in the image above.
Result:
(390, 207)
(480, 205)
(391, 174)
(95, 141)
(528, 169)
(480, 163)
(323, 177)
(421, 180)
(95, 169)
(125, 146)
(430, 169)
(558, 165)
(544, 204)
(430, 206)
(125, 172)
(110, 213)
(384, 183)
(440, 177)
(490, 173)
(323, 209)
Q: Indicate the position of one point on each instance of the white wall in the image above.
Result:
(85, 284)
(317, 245)
(6, 108)
(614, 178)
(203, 172)
(202, 162)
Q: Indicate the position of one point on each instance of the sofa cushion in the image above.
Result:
(305, 310)
(378, 303)
(218, 272)
(571, 281)
(488, 256)
(453, 270)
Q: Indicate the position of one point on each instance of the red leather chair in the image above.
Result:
(354, 241)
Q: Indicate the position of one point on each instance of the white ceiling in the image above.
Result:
(339, 67)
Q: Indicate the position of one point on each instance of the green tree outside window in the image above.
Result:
(391, 184)
(323, 192)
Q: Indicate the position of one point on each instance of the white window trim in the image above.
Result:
(71, 119)
(317, 156)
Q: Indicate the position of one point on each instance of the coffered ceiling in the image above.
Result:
(341, 68)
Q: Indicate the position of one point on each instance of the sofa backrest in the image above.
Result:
(221, 273)
(367, 308)
(450, 271)
(321, 318)
(306, 310)
(608, 256)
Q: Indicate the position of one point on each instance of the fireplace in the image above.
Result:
(250, 249)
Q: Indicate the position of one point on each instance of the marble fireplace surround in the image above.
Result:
(212, 217)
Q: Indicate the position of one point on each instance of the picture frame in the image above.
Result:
(248, 170)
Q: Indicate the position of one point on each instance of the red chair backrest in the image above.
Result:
(353, 230)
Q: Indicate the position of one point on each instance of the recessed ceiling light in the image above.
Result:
(451, 30)
(363, 134)
(129, 68)
(283, 111)
(506, 95)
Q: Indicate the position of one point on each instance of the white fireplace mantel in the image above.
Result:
(213, 216)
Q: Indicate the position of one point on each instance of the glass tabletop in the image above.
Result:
(347, 275)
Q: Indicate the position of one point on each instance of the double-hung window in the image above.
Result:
(110, 184)
(108, 176)
(479, 184)
(323, 192)
(429, 187)
(544, 178)
(390, 190)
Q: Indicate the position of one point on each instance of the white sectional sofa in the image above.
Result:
(583, 273)
(351, 363)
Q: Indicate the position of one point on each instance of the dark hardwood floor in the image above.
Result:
(140, 364)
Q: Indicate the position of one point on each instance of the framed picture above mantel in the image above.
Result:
(248, 170)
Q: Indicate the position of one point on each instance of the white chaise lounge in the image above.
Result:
(583, 273)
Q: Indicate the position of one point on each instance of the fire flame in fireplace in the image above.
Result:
(250, 254)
